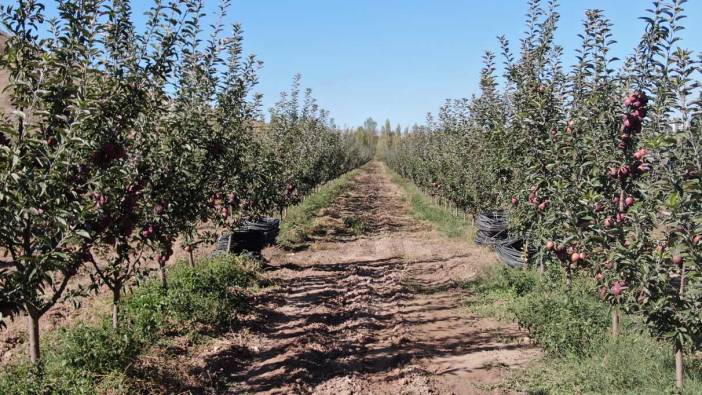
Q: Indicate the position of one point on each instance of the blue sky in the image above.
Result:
(400, 59)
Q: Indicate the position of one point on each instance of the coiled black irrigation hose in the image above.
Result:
(493, 231)
(251, 236)
(492, 228)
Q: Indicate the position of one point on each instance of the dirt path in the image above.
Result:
(371, 308)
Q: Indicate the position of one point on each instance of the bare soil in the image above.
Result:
(374, 306)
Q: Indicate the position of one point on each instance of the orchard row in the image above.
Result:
(123, 139)
(599, 167)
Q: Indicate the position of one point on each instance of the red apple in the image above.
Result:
(629, 201)
(100, 199)
(677, 260)
(549, 245)
(640, 154)
(624, 171)
(617, 288)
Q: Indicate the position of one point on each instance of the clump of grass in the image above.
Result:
(561, 321)
(424, 209)
(204, 299)
(356, 225)
(633, 363)
(573, 327)
(298, 225)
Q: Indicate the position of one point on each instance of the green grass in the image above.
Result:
(298, 224)
(85, 359)
(356, 225)
(424, 209)
(573, 328)
(633, 363)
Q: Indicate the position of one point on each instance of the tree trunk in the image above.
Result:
(679, 362)
(33, 331)
(116, 297)
(541, 266)
(615, 320)
(679, 366)
(681, 291)
(569, 277)
(162, 272)
(229, 244)
(191, 258)
(525, 253)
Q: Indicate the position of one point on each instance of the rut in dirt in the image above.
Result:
(365, 312)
